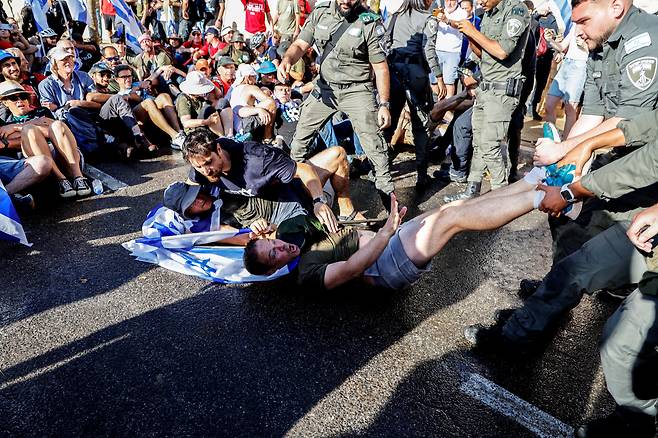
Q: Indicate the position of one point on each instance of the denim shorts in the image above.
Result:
(393, 269)
(10, 168)
(569, 81)
(449, 62)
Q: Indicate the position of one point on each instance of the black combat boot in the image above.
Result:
(386, 200)
(472, 191)
(422, 180)
(621, 423)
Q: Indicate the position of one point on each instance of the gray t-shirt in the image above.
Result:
(286, 10)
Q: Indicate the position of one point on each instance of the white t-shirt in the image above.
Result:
(574, 51)
(449, 39)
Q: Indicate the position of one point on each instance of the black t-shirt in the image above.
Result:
(256, 170)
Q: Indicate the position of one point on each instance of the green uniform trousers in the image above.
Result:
(492, 113)
(358, 102)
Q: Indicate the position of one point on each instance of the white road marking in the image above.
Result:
(108, 180)
(515, 408)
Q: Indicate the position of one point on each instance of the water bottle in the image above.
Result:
(97, 186)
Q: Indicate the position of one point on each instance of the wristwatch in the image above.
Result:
(386, 105)
(567, 194)
(321, 199)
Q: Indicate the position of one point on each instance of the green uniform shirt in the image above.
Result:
(188, 106)
(508, 24)
(621, 77)
(358, 47)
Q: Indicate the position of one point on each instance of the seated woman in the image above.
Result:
(29, 129)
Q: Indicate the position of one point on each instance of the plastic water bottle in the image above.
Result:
(97, 186)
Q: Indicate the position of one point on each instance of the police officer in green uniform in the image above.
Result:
(412, 56)
(500, 45)
(348, 38)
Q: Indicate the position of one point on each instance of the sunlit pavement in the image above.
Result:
(94, 343)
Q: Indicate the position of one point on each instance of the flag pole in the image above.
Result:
(66, 20)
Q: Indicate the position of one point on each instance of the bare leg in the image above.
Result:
(63, 140)
(571, 109)
(227, 121)
(332, 164)
(34, 143)
(36, 169)
(550, 106)
(149, 107)
(166, 105)
(424, 236)
(269, 128)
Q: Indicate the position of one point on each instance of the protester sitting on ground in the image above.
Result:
(254, 169)
(17, 175)
(236, 51)
(155, 67)
(258, 47)
(267, 72)
(253, 111)
(36, 127)
(225, 37)
(225, 74)
(13, 68)
(192, 45)
(175, 42)
(196, 111)
(212, 44)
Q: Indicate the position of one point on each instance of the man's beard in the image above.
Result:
(350, 12)
(602, 39)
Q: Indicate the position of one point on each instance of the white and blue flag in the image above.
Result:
(131, 25)
(175, 243)
(10, 224)
(78, 10)
(39, 9)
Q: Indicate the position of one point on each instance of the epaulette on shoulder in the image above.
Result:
(323, 4)
(369, 17)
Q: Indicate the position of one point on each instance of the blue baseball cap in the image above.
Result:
(4, 55)
(266, 67)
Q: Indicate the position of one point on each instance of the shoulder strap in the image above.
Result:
(334, 40)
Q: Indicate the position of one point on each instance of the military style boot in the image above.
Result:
(422, 180)
(472, 191)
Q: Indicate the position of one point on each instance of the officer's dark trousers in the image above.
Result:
(541, 77)
(462, 144)
(418, 84)
(607, 260)
(628, 354)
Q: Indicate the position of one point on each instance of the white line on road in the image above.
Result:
(511, 406)
(108, 180)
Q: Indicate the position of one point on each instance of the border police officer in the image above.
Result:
(348, 38)
(412, 34)
(500, 44)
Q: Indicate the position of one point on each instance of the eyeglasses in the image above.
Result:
(17, 97)
(113, 58)
(105, 74)
(125, 77)
(196, 33)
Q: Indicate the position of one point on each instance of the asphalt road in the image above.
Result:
(94, 343)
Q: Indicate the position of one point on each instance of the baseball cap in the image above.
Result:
(266, 67)
(237, 38)
(226, 30)
(179, 196)
(202, 64)
(58, 53)
(225, 60)
(243, 71)
(100, 67)
(212, 30)
(4, 55)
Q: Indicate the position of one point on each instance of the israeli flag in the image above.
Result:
(131, 25)
(78, 9)
(10, 224)
(174, 243)
(39, 9)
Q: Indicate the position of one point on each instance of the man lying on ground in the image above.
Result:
(253, 169)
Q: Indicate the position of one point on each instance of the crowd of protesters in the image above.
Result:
(303, 98)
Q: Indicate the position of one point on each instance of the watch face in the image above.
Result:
(567, 195)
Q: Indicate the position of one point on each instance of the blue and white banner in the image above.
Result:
(131, 25)
(171, 241)
(78, 10)
(39, 9)
(10, 224)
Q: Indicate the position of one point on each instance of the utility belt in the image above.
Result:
(333, 85)
(512, 87)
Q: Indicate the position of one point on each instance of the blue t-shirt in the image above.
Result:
(256, 170)
(52, 89)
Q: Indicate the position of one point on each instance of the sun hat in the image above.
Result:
(179, 196)
(196, 84)
(225, 31)
(243, 71)
(266, 67)
(237, 38)
(143, 37)
(9, 88)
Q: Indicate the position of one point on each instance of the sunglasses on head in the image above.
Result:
(17, 97)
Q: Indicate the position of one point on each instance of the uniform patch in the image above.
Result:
(642, 72)
(514, 27)
(518, 10)
(380, 30)
(355, 31)
(637, 42)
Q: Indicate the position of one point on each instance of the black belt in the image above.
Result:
(399, 58)
(486, 86)
(339, 86)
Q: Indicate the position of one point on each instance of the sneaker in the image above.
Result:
(23, 203)
(528, 287)
(66, 189)
(81, 187)
(472, 191)
(447, 176)
(177, 142)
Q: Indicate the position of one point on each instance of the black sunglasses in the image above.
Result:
(17, 97)
(113, 58)
(196, 33)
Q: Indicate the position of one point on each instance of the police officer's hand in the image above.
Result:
(546, 152)
(441, 88)
(326, 216)
(579, 156)
(283, 70)
(383, 117)
(644, 228)
(394, 218)
(553, 202)
(464, 26)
